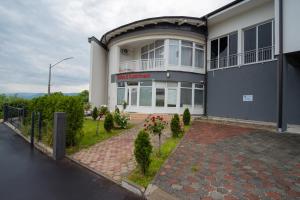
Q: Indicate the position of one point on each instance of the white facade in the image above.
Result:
(241, 34)
(98, 69)
(133, 45)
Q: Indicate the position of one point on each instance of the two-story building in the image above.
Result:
(240, 61)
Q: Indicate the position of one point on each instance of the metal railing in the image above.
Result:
(141, 65)
(248, 57)
(13, 115)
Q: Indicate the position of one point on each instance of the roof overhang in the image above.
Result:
(176, 20)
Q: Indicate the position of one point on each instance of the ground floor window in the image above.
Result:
(161, 94)
(186, 94)
(146, 93)
(120, 93)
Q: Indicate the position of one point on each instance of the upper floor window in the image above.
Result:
(152, 54)
(186, 53)
(258, 43)
(223, 51)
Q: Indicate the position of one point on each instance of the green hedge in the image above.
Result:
(12, 101)
(71, 105)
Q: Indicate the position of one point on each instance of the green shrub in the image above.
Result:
(143, 150)
(71, 105)
(175, 126)
(121, 119)
(108, 122)
(95, 113)
(186, 117)
(103, 110)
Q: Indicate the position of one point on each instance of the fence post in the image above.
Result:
(32, 130)
(5, 114)
(40, 126)
(59, 135)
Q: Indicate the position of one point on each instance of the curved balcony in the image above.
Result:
(142, 65)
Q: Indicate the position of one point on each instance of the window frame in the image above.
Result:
(256, 42)
(228, 51)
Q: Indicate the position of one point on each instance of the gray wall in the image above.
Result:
(227, 87)
(292, 97)
(162, 76)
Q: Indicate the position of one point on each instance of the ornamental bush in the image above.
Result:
(108, 122)
(95, 113)
(103, 110)
(186, 117)
(121, 119)
(175, 126)
(143, 150)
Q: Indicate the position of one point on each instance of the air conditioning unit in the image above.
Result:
(124, 51)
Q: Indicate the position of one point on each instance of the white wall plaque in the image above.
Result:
(248, 97)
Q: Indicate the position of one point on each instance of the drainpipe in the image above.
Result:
(280, 71)
(205, 76)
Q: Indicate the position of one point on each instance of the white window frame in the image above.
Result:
(257, 49)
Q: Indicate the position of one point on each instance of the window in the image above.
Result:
(146, 93)
(120, 93)
(223, 51)
(186, 53)
(198, 96)
(258, 44)
(173, 52)
(172, 94)
(152, 54)
(133, 101)
(199, 56)
(232, 59)
(250, 45)
(214, 54)
(186, 94)
(160, 97)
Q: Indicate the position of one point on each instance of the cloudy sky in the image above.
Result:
(34, 34)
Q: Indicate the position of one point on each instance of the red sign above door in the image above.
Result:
(133, 76)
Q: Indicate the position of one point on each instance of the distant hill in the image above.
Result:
(28, 95)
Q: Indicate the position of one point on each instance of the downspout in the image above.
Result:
(280, 70)
(205, 75)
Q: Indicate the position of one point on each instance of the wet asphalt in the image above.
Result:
(27, 173)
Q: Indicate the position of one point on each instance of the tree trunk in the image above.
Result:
(159, 144)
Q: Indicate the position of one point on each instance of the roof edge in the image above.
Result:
(149, 19)
(223, 8)
(93, 38)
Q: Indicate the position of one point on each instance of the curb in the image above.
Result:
(136, 189)
(92, 170)
(38, 145)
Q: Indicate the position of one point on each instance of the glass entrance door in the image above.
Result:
(132, 92)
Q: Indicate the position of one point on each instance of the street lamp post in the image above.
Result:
(50, 67)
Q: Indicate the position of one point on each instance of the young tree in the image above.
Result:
(143, 150)
(108, 122)
(155, 125)
(95, 113)
(186, 117)
(175, 126)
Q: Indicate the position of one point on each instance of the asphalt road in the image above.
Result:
(26, 173)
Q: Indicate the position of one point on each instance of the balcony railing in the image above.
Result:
(142, 65)
(248, 57)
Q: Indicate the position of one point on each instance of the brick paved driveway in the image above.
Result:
(216, 161)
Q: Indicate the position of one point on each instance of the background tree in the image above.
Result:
(84, 95)
(108, 122)
(175, 126)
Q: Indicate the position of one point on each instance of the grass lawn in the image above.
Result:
(156, 161)
(89, 136)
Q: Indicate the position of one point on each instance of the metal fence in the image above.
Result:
(14, 115)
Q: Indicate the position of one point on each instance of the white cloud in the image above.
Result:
(34, 34)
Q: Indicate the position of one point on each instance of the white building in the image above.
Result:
(240, 61)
